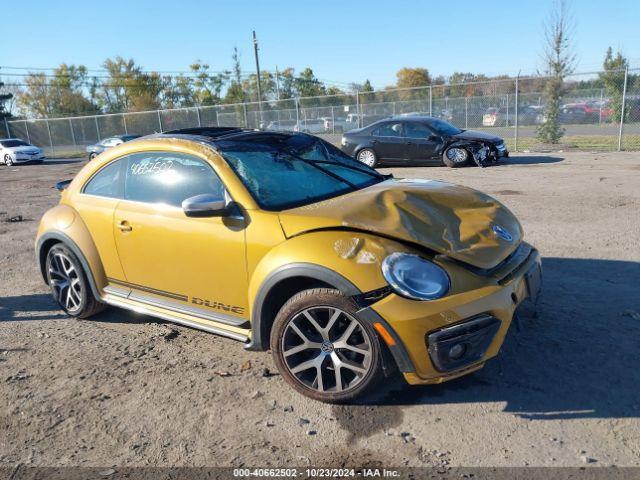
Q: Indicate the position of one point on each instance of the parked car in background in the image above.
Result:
(492, 117)
(444, 114)
(571, 113)
(413, 140)
(16, 150)
(312, 125)
(531, 115)
(282, 125)
(109, 142)
(365, 119)
(336, 124)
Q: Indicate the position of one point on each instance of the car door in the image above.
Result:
(421, 142)
(389, 143)
(197, 263)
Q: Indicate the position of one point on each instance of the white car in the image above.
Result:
(15, 150)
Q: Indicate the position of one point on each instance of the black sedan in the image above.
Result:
(421, 140)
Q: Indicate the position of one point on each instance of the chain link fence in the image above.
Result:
(606, 117)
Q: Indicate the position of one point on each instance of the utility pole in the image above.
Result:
(277, 83)
(255, 50)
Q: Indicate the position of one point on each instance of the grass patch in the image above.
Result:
(578, 142)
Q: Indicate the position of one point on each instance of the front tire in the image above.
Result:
(323, 350)
(368, 157)
(455, 157)
(8, 161)
(92, 155)
(68, 283)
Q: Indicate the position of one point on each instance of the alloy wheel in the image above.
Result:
(367, 157)
(457, 155)
(326, 349)
(7, 160)
(64, 279)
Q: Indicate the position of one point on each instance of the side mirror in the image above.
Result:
(205, 205)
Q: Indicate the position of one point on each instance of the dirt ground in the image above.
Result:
(127, 390)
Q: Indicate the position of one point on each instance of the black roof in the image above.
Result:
(414, 118)
(213, 134)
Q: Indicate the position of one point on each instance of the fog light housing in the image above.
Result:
(458, 346)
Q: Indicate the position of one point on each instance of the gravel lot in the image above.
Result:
(129, 390)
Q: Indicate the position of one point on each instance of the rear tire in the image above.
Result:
(68, 283)
(323, 350)
(455, 157)
(368, 157)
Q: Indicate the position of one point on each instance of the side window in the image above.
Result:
(168, 178)
(416, 130)
(107, 182)
(389, 130)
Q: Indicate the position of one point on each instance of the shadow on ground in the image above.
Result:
(576, 358)
(529, 160)
(55, 161)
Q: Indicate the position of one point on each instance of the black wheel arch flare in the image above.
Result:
(261, 323)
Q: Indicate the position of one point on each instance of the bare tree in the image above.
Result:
(559, 63)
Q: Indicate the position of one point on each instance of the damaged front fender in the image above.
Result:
(480, 152)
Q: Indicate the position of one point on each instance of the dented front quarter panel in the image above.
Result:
(356, 256)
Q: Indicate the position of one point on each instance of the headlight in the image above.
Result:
(343, 142)
(414, 277)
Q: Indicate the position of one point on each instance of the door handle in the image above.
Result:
(373, 142)
(124, 226)
(409, 143)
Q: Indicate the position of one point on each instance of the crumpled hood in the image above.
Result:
(449, 219)
(478, 136)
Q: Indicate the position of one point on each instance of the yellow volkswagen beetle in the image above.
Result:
(281, 241)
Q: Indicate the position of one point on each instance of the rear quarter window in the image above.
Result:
(107, 182)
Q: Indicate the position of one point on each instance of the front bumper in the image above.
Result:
(500, 151)
(24, 158)
(476, 320)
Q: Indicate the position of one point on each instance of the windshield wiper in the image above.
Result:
(350, 167)
(352, 186)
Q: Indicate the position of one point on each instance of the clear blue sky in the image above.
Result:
(342, 41)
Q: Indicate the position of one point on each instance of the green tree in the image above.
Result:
(466, 84)
(307, 85)
(63, 93)
(613, 81)
(128, 88)
(207, 87)
(179, 92)
(5, 98)
(235, 94)
(366, 86)
(267, 85)
(560, 62)
(286, 80)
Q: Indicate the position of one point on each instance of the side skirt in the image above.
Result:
(117, 300)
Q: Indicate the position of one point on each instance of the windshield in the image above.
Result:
(284, 172)
(443, 128)
(14, 143)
